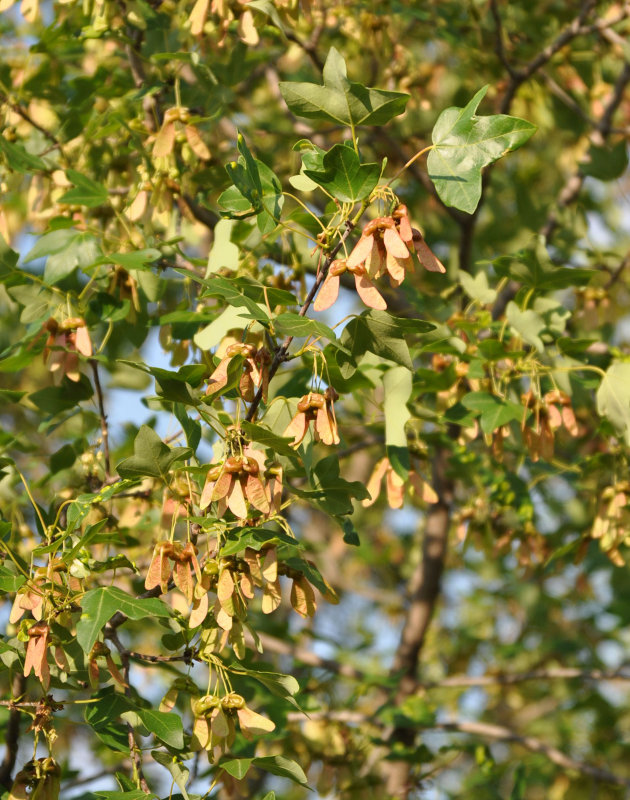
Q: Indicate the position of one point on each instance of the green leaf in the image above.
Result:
(217, 286)
(340, 100)
(152, 458)
(528, 324)
(476, 287)
(20, 159)
(258, 433)
(134, 794)
(494, 411)
(231, 319)
(533, 267)
(103, 717)
(377, 332)
(350, 534)
(138, 259)
(100, 605)
(66, 249)
(606, 162)
(245, 175)
(613, 397)
(8, 258)
(177, 769)
(256, 190)
(165, 725)
(283, 767)
(279, 684)
(330, 491)
(55, 399)
(9, 580)
(397, 385)
(236, 767)
(292, 324)
(464, 143)
(86, 192)
(343, 175)
(256, 538)
(224, 253)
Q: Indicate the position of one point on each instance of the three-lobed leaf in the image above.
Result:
(151, 458)
(340, 100)
(464, 143)
(343, 176)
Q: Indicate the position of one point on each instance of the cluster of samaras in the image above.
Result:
(255, 371)
(612, 523)
(214, 729)
(551, 412)
(386, 247)
(66, 341)
(242, 481)
(233, 580)
(317, 408)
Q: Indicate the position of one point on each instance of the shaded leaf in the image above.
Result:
(152, 458)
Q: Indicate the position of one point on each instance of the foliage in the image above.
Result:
(282, 313)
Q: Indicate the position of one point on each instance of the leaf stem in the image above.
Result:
(409, 163)
(281, 354)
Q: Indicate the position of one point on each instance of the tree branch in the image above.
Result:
(283, 350)
(507, 679)
(284, 648)
(12, 732)
(423, 592)
(103, 418)
(575, 181)
(134, 750)
(488, 731)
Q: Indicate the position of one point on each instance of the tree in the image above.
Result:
(316, 399)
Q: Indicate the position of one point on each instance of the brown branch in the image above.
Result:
(423, 592)
(575, 28)
(519, 76)
(499, 732)
(187, 657)
(499, 47)
(507, 679)
(286, 648)
(134, 750)
(33, 123)
(204, 215)
(283, 350)
(310, 47)
(574, 183)
(482, 729)
(103, 417)
(12, 732)
(571, 189)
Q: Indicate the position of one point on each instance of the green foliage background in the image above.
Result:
(173, 172)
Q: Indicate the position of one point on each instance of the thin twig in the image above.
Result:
(572, 187)
(286, 648)
(101, 411)
(33, 123)
(486, 730)
(283, 350)
(499, 47)
(509, 679)
(12, 732)
(187, 657)
(575, 28)
(134, 750)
